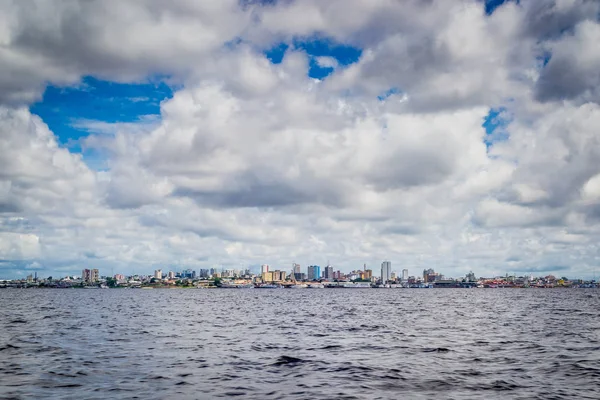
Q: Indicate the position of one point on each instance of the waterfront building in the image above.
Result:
(89, 275)
(296, 268)
(429, 275)
(158, 273)
(393, 276)
(264, 268)
(365, 275)
(171, 275)
(278, 275)
(267, 276)
(313, 272)
(404, 275)
(386, 271)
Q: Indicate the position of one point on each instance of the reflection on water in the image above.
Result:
(335, 344)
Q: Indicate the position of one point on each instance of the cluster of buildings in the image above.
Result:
(314, 275)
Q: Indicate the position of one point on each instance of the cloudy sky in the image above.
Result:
(456, 135)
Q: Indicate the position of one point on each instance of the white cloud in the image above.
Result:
(14, 246)
(327, 62)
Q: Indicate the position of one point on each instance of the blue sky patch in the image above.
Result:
(344, 54)
(494, 124)
(388, 93)
(317, 47)
(492, 5)
(97, 100)
(544, 59)
(275, 54)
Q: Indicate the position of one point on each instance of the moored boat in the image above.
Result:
(316, 286)
(298, 286)
(268, 286)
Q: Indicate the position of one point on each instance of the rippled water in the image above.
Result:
(362, 344)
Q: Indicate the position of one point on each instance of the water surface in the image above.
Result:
(317, 344)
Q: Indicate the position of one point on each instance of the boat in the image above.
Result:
(316, 286)
(268, 286)
(356, 285)
(236, 286)
(298, 286)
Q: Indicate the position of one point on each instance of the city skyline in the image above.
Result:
(453, 135)
(312, 272)
(258, 269)
(273, 278)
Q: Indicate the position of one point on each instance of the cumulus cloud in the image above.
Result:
(252, 162)
(110, 39)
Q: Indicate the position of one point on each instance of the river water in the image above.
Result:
(301, 344)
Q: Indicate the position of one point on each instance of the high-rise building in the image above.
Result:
(158, 273)
(310, 272)
(328, 273)
(386, 271)
(171, 275)
(229, 273)
(296, 268)
(404, 275)
(313, 273)
(188, 274)
(264, 268)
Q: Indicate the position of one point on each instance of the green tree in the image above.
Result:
(217, 282)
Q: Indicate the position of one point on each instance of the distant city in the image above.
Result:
(315, 277)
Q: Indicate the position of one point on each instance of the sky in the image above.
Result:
(455, 135)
